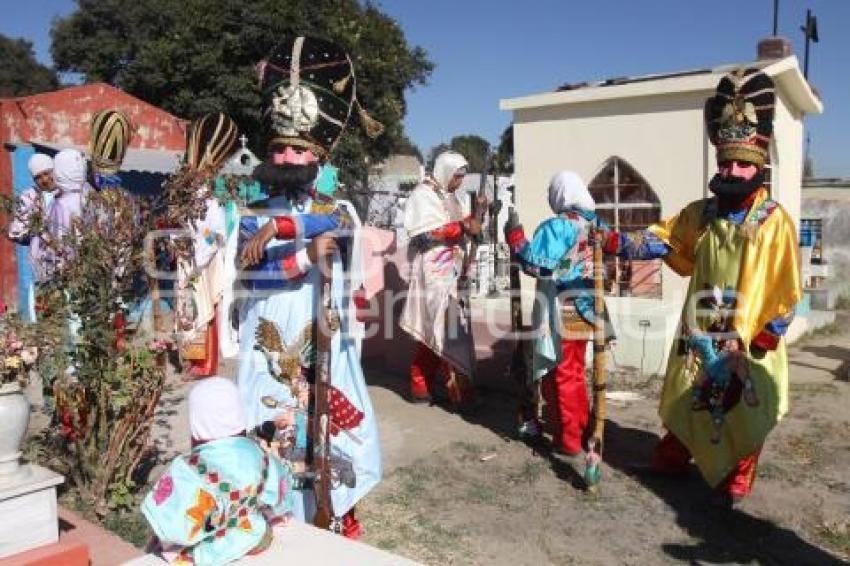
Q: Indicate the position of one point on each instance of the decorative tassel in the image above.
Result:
(339, 86)
(260, 70)
(372, 126)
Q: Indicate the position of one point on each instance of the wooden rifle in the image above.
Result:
(320, 454)
(478, 210)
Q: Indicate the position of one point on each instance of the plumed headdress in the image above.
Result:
(739, 117)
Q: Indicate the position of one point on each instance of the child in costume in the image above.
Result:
(218, 503)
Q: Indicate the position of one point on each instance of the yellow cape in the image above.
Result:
(761, 260)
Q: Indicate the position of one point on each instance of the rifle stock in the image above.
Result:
(478, 208)
(321, 449)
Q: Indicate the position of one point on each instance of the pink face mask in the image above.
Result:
(294, 156)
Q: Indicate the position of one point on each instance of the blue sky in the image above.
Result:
(487, 50)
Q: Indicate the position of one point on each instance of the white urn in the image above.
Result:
(14, 418)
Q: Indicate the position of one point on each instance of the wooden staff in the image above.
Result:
(519, 371)
(592, 472)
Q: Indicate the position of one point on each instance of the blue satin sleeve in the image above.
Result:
(641, 245)
(551, 242)
(268, 273)
(779, 326)
(316, 224)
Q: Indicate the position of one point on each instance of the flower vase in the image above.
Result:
(14, 418)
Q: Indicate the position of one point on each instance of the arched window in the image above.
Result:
(625, 201)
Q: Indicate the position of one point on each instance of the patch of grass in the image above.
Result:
(401, 516)
(835, 535)
(468, 450)
(809, 448)
(411, 484)
(409, 533)
(529, 472)
(771, 471)
(479, 492)
(130, 526)
(555, 556)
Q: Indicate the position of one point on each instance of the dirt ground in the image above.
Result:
(464, 491)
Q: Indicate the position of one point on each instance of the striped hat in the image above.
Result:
(110, 137)
(739, 117)
(211, 141)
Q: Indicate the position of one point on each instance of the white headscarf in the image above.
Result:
(427, 209)
(69, 170)
(215, 410)
(446, 165)
(39, 163)
(567, 190)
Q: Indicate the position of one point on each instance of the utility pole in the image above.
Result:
(775, 18)
(810, 30)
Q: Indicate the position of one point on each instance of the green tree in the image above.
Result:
(474, 148)
(20, 73)
(406, 146)
(505, 151)
(435, 151)
(195, 56)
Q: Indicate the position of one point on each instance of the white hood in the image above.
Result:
(446, 165)
(69, 170)
(567, 190)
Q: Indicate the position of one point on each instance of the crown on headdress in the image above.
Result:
(739, 117)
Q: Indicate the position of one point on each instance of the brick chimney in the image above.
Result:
(773, 47)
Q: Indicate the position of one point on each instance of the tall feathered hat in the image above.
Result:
(739, 117)
(211, 140)
(108, 141)
(309, 90)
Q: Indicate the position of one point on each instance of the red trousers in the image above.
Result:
(671, 456)
(351, 526)
(565, 393)
(209, 365)
(426, 366)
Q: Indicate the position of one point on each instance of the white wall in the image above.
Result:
(663, 137)
(788, 137)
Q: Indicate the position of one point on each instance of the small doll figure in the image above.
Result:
(723, 376)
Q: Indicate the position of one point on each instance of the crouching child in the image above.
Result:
(218, 503)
